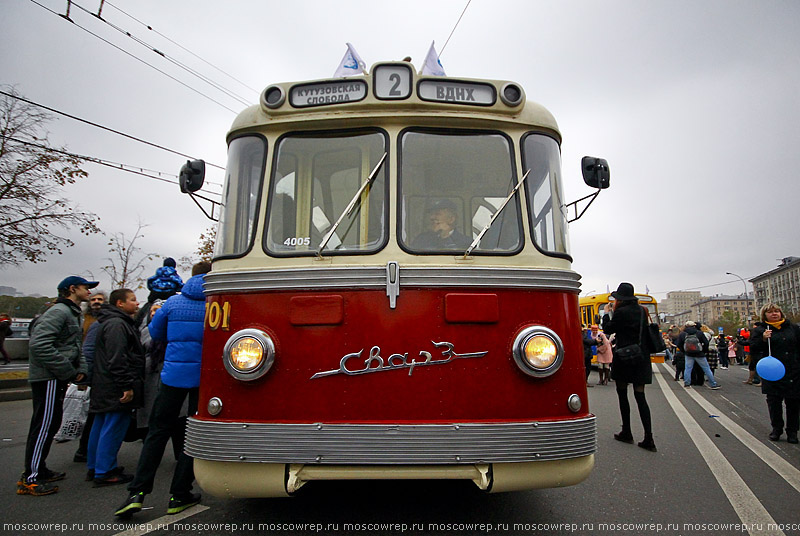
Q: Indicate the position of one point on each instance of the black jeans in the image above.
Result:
(164, 420)
(48, 403)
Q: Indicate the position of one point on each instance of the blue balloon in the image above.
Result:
(770, 369)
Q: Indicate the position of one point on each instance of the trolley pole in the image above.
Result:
(746, 298)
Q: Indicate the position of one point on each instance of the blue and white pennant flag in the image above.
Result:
(351, 64)
(432, 65)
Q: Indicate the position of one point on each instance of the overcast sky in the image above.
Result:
(693, 103)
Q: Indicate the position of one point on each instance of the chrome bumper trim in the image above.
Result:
(369, 444)
(367, 277)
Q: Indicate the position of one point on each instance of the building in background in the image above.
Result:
(678, 301)
(781, 286)
(713, 308)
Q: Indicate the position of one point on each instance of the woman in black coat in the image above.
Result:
(777, 336)
(629, 324)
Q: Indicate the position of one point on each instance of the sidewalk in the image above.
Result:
(14, 382)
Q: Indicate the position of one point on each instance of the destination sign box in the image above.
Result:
(457, 92)
(325, 93)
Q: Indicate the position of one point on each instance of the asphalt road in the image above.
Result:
(715, 472)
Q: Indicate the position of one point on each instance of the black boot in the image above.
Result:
(775, 435)
(791, 437)
(648, 443)
(625, 436)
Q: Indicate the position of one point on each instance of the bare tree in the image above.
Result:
(205, 248)
(33, 210)
(127, 262)
(204, 251)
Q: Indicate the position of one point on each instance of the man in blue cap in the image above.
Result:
(54, 360)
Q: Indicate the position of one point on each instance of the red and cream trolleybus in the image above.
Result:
(392, 294)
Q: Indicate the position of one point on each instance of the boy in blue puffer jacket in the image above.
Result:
(179, 322)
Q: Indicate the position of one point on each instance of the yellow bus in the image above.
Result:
(591, 308)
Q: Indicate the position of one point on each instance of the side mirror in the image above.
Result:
(193, 174)
(595, 172)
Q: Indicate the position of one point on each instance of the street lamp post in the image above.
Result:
(746, 298)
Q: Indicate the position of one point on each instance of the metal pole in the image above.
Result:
(746, 299)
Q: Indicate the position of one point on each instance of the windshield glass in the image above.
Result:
(246, 158)
(451, 183)
(543, 190)
(315, 177)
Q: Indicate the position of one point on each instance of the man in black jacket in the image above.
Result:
(117, 380)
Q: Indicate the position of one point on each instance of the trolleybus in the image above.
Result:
(392, 294)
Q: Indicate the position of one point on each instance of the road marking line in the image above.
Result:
(744, 501)
(161, 523)
(777, 463)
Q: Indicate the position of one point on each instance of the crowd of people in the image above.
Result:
(696, 353)
(141, 367)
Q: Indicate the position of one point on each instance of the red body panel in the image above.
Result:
(477, 389)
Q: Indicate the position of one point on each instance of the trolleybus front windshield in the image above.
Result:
(451, 183)
(314, 179)
(545, 206)
(246, 159)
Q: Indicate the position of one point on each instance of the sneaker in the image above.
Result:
(52, 476)
(687, 385)
(115, 471)
(111, 479)
(36, 488)
(714, 387)
(724, 368)
(178, 503)
(131, 505)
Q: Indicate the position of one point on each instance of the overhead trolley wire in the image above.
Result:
(172, 60)
(454, 28)
(136, 58)
(134, 138)
(183, 48)
(108, 163)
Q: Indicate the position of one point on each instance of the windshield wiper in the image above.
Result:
(494, 216)
(350, 205)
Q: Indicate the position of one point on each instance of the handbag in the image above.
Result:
(632, 352)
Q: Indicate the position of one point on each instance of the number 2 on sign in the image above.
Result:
(218, 317)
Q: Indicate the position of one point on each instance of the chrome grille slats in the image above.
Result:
(391, 444)
(367, 277)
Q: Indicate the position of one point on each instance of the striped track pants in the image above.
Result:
(48, 403)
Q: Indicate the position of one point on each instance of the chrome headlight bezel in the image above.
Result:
(519, 351)
(267, 349)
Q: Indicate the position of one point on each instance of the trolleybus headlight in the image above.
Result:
(248, 354)
(538, 351)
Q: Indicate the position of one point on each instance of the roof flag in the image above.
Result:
(351, 64)
(432, 65)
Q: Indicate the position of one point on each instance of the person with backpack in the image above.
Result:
(694, 345)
